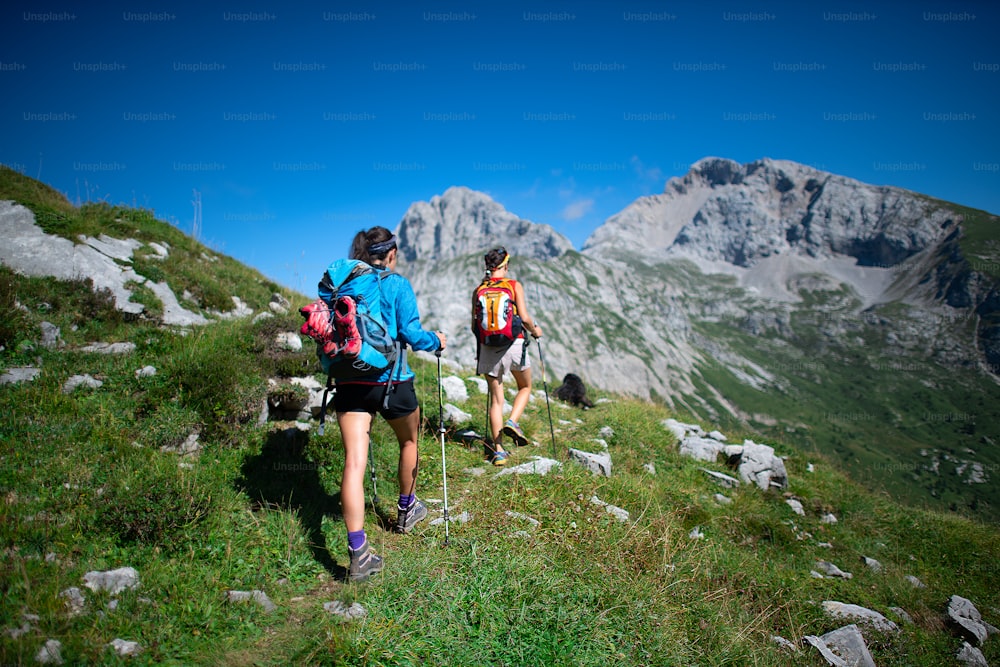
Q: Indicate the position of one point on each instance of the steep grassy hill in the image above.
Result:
(97, 479)
(885, 392)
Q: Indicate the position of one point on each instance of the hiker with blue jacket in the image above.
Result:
(358, 399)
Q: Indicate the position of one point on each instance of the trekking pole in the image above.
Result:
(371, 467)
(545, 386)
(444, 465)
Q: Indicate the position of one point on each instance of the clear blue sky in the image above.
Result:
(299, 124)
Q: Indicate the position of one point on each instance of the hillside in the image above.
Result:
(178, 459)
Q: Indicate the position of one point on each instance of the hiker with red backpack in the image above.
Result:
(388, 391)
(499, 320)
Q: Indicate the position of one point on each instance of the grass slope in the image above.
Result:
(88, 483)
(875, 392)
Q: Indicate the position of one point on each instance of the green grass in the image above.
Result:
(260, 510)
(885, 426)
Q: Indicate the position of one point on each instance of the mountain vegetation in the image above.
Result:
(188, 474)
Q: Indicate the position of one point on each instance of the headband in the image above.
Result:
(382, 247)
(503, 263)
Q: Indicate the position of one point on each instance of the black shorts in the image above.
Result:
(370, 398)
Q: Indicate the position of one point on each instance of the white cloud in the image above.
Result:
(647, 173)
(577, 209)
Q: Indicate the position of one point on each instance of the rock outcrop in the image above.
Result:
(463, 221)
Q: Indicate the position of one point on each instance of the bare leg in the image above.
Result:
(406, 429)
(496, 409)
(354, 428)
(523, 379)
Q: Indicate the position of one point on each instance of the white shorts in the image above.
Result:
(498, 361)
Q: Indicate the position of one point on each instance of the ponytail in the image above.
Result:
(371, 246)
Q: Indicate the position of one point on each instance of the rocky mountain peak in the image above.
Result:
(463, 221)
(722, 211)
(715, 171)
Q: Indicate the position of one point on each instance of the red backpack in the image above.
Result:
(496, 322)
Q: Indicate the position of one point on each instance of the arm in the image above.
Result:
(522, 310)
(410, 330)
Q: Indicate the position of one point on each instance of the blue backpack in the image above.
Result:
(353, 290)
(347, 324)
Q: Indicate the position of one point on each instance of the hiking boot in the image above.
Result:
(497, 457)
(511, 429)
(410, 517)
(364, 563)
(317, 325)
(343, 317)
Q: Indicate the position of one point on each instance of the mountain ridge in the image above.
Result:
(775, 225)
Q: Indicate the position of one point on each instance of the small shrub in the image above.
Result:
(97, 305)
(149, 269)
(154, 504)
(14, 321)
(168, 426)
(277, 361)
(216, 375)
(142, 294)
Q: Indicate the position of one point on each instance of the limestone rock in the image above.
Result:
(50, 653)
(109, 348)
(617, 512)
(463, 517)
(723, 479)
(289, 340)
(844, 647)
(454, 389)
(967, 620)
(113, 581)
(456, 416)
(538, 465)
(279, 304)
(971, 656)
(599, 464)
(759, 465)
(345, 612)
(76, 381)
(831, 570)
(74, 600)
(125, 648)
(51, 336)
(675, 427)
(260, 597)
(858, 614)
(19, 374)
(701, 449)
(872, 564)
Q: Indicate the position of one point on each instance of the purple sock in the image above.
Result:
(355, 539)
(406, 501)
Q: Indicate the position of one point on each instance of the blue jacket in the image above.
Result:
(400, 313)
